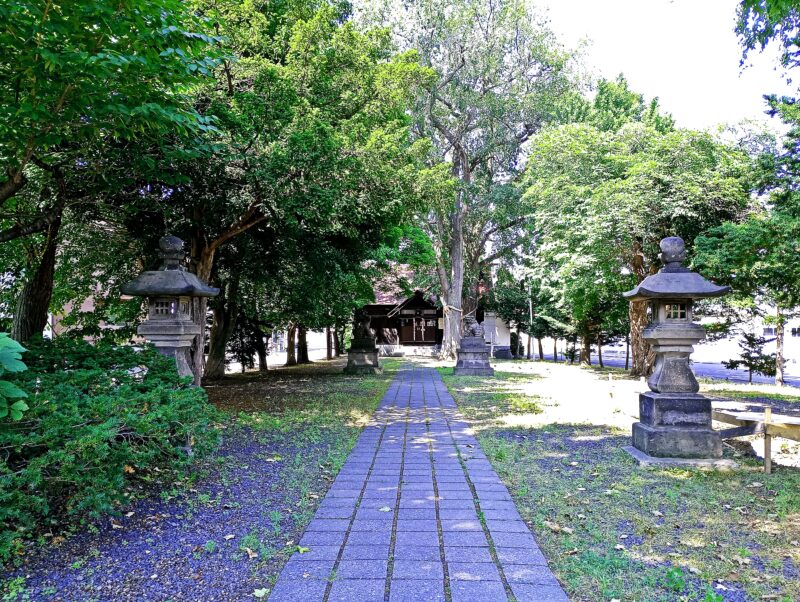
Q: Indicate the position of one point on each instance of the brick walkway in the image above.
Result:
(377, 536)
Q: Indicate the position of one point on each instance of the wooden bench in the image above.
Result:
(756, 423)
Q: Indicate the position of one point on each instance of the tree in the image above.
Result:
(751, 256)
(761, 22)
(308, 96)
(604, 200)
(59, 128)
(500, 77)
(752, 357)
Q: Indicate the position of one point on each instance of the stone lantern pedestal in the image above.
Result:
(362, 357)
(674, 419)
(169, 291)
(473, 352)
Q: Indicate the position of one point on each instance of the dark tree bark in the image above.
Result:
(530, 347)
(627, 349)
(261, 349)
(640, 349)
(600, 349)
(33, 303)
(541, 349)
(779, 356)
(291, 357)
(338, 340)
(328, 343)
(586, 350)
(555, 349)
(302, 345)
(225, 313)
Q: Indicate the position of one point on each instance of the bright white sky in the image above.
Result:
(683, 51)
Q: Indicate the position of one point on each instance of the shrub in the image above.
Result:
(99, 417)
(11, 395)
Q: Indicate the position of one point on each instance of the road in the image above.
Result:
(704, 369)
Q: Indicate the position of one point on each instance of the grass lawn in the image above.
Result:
(308, 418)
(611, 530)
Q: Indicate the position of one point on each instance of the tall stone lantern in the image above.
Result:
(169, 291)
(675, 421)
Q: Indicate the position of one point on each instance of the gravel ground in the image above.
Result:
(225, 533)
(162, 551)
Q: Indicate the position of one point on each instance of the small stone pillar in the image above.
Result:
(169, 291)
(362, 357)
(473, 353)
(675, 421)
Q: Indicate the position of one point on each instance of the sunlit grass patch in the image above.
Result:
(612, 530)
(760, 395)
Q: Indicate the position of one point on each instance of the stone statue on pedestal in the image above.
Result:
(362, 357)
(473, 353)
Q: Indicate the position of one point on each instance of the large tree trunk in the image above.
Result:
(328, 344)
(586, 350)
(338, 340)
(291, 358)
(261, 349)
(225, 313)
(600, 349)
(302, 345)
(555, 349)
(33, 303)
(451, 337)
(203, 264)
(627, 350)
(640, 350)
(541, 349)
(530, 347)
(451, 277)
(780, 361)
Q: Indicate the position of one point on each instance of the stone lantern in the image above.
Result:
(169, 291)
(675, 421)
(473, 352)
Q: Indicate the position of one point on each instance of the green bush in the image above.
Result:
(99, 417)
(11, 395)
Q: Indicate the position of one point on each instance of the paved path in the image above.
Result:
(401, 521)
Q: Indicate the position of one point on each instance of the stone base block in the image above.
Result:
(675, 410)
(473, 358)
(677, 442)
(502, 352)
(363, 362)
(651, 461)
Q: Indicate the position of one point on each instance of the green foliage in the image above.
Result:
(99, 417)
(11, 395)
(752, 356)
(66, 86)
(761, 22)
(602, 201)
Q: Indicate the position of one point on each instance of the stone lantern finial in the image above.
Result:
(171, 252)
(673, 254)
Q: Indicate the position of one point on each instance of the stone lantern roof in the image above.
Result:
(172, 279)
(675, 280)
